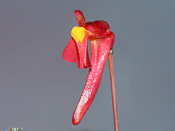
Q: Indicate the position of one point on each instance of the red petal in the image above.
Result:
(77, 53)
(70, 52)
(99, 53)
(83, 56)
(97, 27)
(80, 18)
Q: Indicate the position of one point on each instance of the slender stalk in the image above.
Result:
(113, 91)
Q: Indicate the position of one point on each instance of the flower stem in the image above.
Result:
(113, 91)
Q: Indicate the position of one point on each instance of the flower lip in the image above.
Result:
(98, 27)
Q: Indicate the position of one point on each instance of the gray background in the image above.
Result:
(39, 90)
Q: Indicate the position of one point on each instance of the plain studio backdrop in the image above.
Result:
(39, 90)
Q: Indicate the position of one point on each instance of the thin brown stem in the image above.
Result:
(113, 91)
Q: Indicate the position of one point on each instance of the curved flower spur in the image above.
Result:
(101, 40)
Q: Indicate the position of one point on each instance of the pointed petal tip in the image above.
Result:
(79, 11)
(70, 52)
(80, 18)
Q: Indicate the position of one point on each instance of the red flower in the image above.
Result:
(102, 40)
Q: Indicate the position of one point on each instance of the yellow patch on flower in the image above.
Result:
(78, 33)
